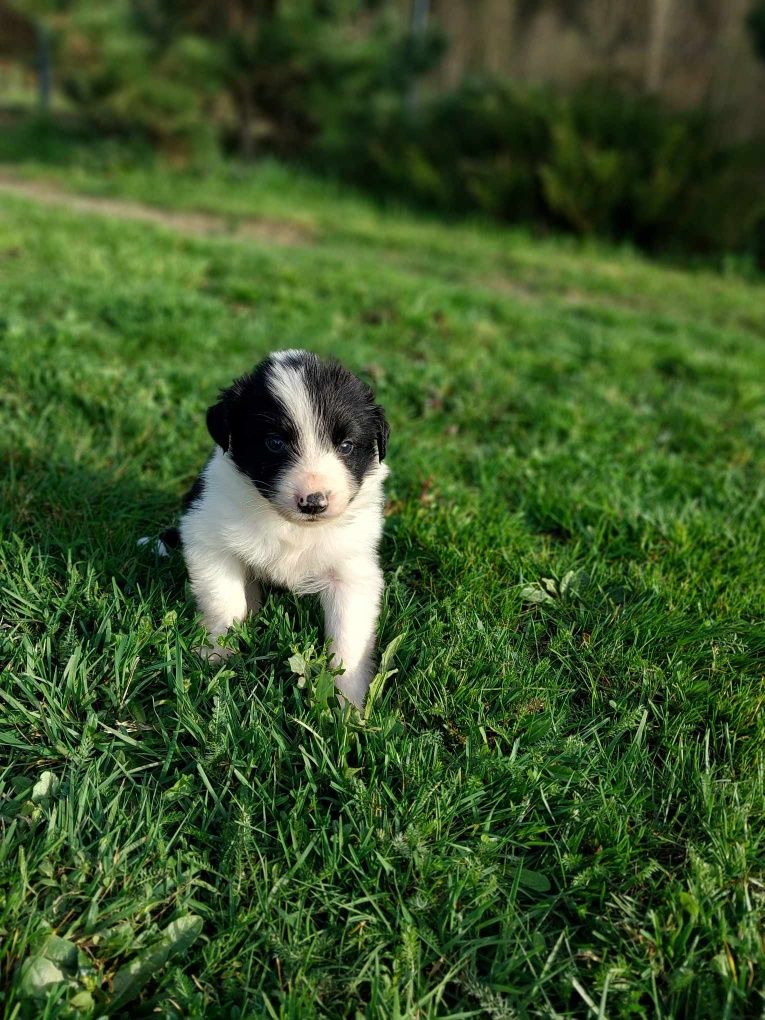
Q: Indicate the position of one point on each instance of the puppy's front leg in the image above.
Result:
(219, 583)
(351, 603)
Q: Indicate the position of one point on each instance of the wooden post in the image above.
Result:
(43, 67)
(420, 14)
(417, 25)
(657, 44)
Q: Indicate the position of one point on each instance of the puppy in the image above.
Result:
(293, 495)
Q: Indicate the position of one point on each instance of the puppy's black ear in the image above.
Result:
(221, 417)
(383, 432)
(218, 423)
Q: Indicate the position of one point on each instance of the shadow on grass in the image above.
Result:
(62, 518)
(71, 513)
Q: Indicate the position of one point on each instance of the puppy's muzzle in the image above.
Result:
(313, 504)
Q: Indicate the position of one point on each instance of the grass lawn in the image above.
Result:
(555, 807)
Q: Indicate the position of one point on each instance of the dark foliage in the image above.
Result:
(755, 22)
(338, 85)
(597, 161)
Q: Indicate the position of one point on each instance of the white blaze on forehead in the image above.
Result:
(290, 354)
(287, 383)
(318, 467)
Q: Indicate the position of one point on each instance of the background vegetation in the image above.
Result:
(345, 87)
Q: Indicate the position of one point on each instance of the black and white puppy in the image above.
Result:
(293, 495)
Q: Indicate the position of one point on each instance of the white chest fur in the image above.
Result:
(232, 535)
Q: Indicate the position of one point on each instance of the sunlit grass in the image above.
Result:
(555, 806)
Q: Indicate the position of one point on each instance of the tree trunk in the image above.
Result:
(44, 68)
(420, 13)
(417, 25)
(657, 44)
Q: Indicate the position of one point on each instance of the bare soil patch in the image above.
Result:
(197, 224)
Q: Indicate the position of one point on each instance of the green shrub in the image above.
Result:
(121, 80)
(597, 161)
(267, 76)
(501, 134)
(474, 148)
(626, 167)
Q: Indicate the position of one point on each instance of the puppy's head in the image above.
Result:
(305, 431)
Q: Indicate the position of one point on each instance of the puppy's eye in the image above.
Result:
(275, 444)
(345, 447)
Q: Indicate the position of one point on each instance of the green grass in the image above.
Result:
(555, 806)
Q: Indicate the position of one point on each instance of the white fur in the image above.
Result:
(318, 467)
(233, 537)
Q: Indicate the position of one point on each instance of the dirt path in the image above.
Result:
(196, 224)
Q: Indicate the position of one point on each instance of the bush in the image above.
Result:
(260, 75)
(624, 167)
(474, 148)
(122, 82)
(597, 161)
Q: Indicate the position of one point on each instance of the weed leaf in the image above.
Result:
(133, 976)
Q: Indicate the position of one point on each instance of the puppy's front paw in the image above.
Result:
(353, 687)
(213, 653)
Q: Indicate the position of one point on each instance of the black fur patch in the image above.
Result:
(171, 537)
(194, 494)
(246, 415)
(345, 409)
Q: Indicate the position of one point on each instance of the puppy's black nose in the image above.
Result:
(314, 503)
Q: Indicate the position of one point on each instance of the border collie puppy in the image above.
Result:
(293, 495)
